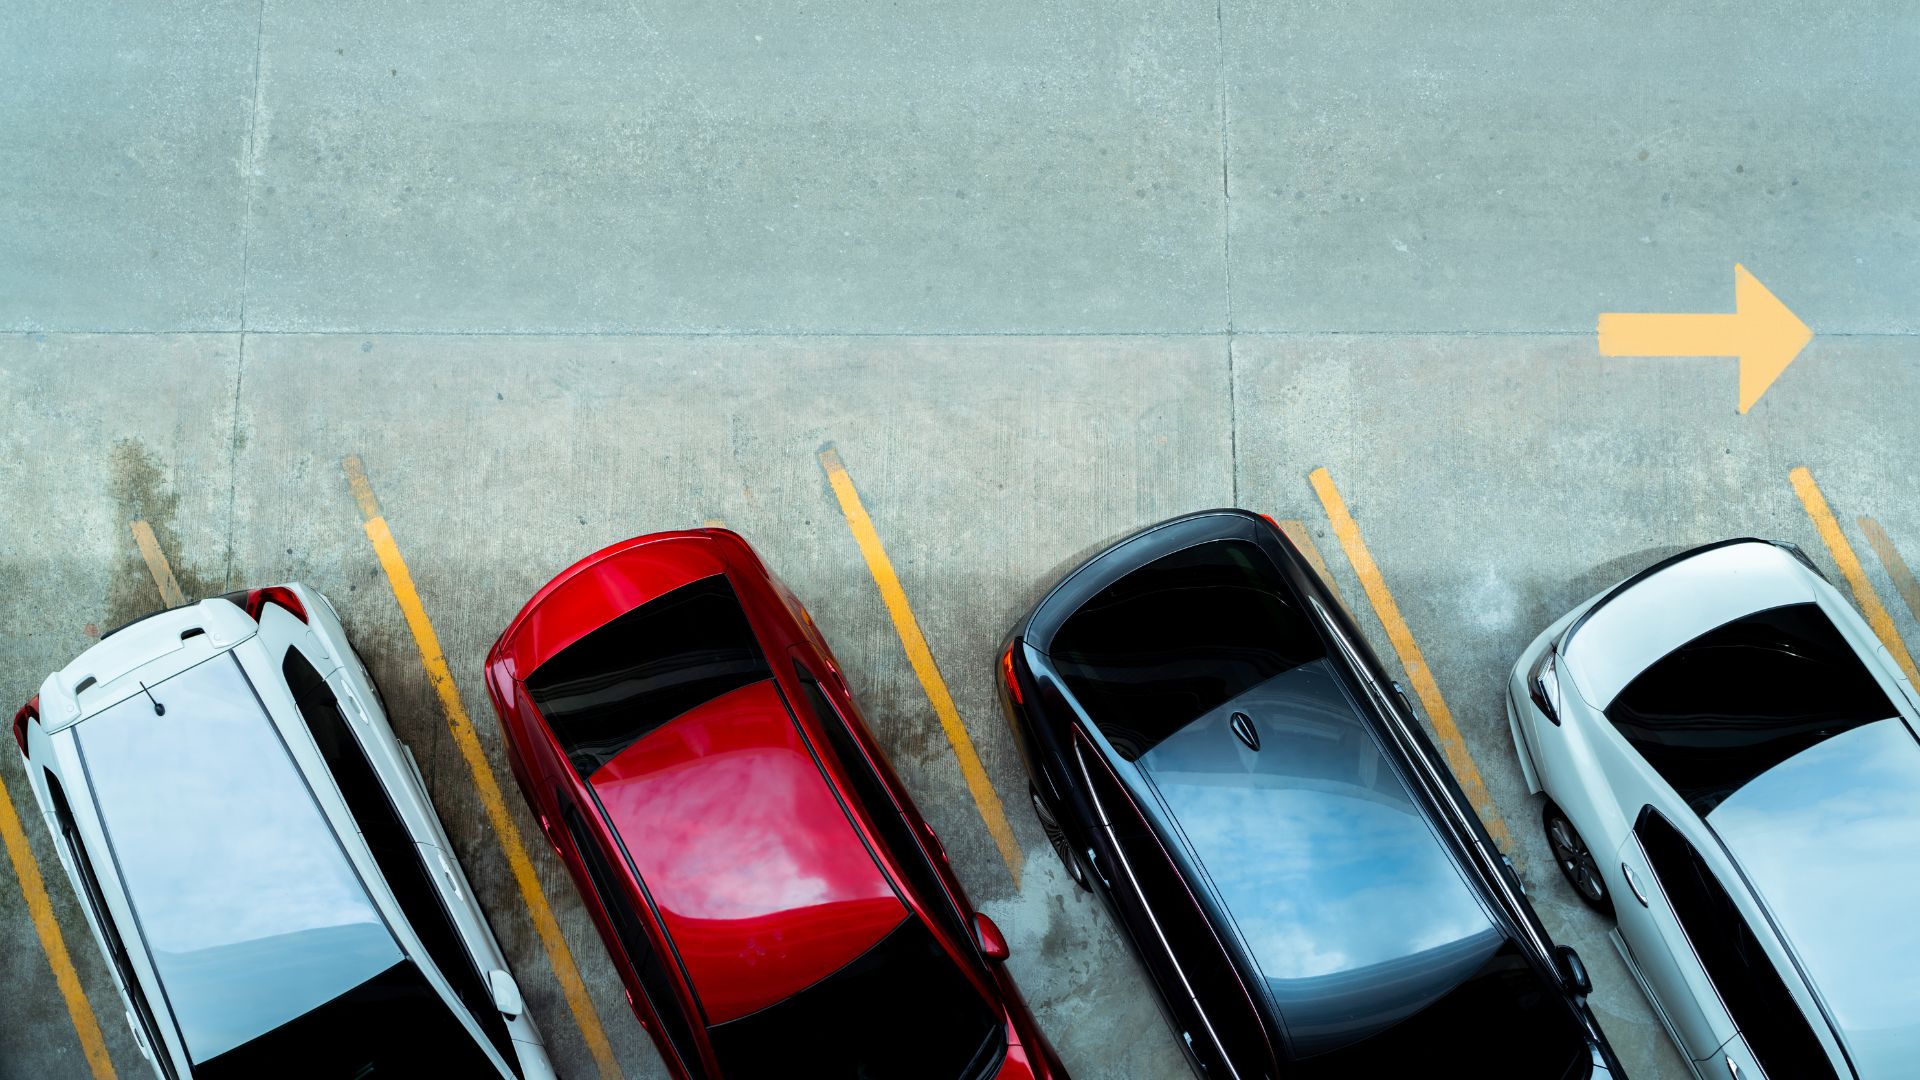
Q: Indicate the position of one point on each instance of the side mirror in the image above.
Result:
(506, 994)
(1572, 971)
(992, 944)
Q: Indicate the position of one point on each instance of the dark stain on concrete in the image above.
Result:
(142, 489)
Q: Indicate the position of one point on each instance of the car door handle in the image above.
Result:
(1633, 884)
(1093, 860)
(1733, 1067)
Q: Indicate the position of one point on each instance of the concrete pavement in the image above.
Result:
(560, 274)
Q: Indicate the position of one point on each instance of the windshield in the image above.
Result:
(1174, 639)
(393, 1025)
(902, 1011)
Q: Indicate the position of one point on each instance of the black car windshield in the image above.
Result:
(1179, 636)
(1743, 697)
(1504, 1018)
(393, 1025)
(902, 1011)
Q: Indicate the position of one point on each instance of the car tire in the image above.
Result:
(1576, 861)
(1057, 837)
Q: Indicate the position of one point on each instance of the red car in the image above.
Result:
(772, 899)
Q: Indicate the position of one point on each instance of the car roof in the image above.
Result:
(1649, 616)
(247, 905)
(1830, 841)
(762, 896)
(1344, 879)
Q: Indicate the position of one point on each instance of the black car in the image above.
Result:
(1216, 752)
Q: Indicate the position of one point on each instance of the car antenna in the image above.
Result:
(158, 709)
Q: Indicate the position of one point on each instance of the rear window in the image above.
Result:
(1179, 637)
(918, 1019)
(1505, 1018)
(602, 693)
(1743, 697)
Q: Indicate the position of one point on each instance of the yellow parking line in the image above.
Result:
(157, 565)
(915, 643)
(1850, 568)
(1415, 664)
(40, 910)
(715, 523)
(508, 833)
(1303, 540)
(1897, 569)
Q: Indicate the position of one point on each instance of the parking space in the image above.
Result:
(499, 460)
(925, 306)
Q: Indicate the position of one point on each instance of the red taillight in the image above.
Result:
(29, 711)
(258, 599)
(1272, 522)
(1006, 673)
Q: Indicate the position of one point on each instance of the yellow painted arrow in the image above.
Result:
(1761, 332)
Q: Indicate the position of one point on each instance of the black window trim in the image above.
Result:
(568, 803)
(961, 926)
(92, 895)
(1649, 810)
(509, 1054)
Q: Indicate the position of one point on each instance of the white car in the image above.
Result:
(257, 856)
(1733, 774)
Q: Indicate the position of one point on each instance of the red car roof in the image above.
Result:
(762, 895)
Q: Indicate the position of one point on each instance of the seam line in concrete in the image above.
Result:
(1233, 423)
(802, 334)
(1226, 173)
(233, 457)
(247, 165)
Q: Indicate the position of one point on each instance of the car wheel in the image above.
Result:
(1058, 838)
(1576, 861)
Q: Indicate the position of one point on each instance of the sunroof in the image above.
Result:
(602, 693)
(248, 906)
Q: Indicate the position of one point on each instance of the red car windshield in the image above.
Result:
(902, 1011)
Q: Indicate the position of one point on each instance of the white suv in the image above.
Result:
(258, 858)
(1732, 766)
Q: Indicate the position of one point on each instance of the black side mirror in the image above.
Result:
(1572, 971)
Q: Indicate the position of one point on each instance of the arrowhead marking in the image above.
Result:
(1769, 338)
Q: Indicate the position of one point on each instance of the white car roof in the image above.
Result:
(1830, 841)
(1649, 617)
(250, 909)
